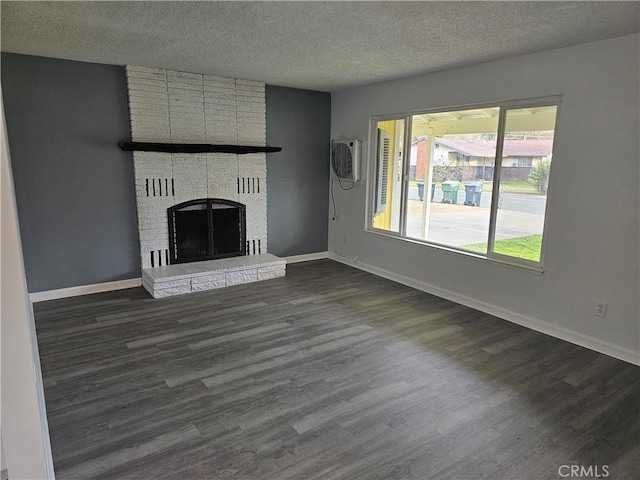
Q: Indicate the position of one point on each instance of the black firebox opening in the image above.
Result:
(205, 229)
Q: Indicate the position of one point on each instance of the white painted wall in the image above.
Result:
(3, 461)
(592, 244)
(25, 435)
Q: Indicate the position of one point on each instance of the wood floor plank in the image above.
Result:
(327, 373)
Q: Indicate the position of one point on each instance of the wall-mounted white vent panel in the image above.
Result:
(345, 159)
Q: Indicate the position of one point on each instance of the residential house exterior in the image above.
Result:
(474, 157)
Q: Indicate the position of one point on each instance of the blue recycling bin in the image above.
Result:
(421, 190)
(472, 193)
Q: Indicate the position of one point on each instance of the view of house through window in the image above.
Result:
(528, 132)
(438, 186)
(452, 151)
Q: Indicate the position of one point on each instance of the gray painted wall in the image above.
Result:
(591, 251)
(74, 186)
(298, 177)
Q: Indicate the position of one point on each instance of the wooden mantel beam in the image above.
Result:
(195, 148)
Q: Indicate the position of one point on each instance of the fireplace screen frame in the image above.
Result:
(208, 202)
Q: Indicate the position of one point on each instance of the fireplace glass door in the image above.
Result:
(206, 229)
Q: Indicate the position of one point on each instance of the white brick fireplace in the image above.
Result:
(175, 107)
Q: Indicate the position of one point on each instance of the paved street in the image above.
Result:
(510, 201)
(520, 215)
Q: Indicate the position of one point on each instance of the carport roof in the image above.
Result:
(512, 148)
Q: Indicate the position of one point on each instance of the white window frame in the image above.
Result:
(505, 106)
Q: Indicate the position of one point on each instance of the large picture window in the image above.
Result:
(471, 179)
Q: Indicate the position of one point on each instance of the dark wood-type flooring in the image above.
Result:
(327, 373)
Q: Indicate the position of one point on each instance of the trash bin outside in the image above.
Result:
(420, 190)
(450, 191)
(433, 190)
(473, 193)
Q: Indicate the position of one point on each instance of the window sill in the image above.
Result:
(505, 261)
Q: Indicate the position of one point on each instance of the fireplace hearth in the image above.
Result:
(206, 229)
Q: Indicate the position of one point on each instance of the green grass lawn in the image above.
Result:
(507, 187)
(512, 187)
(527, 248)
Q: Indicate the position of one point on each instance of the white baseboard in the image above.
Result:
(84, 290)
(135, 282)
(307, 257)
(571, 336)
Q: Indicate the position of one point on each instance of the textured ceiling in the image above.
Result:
(315, 45)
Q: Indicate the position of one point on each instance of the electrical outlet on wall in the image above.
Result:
(600, 309)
